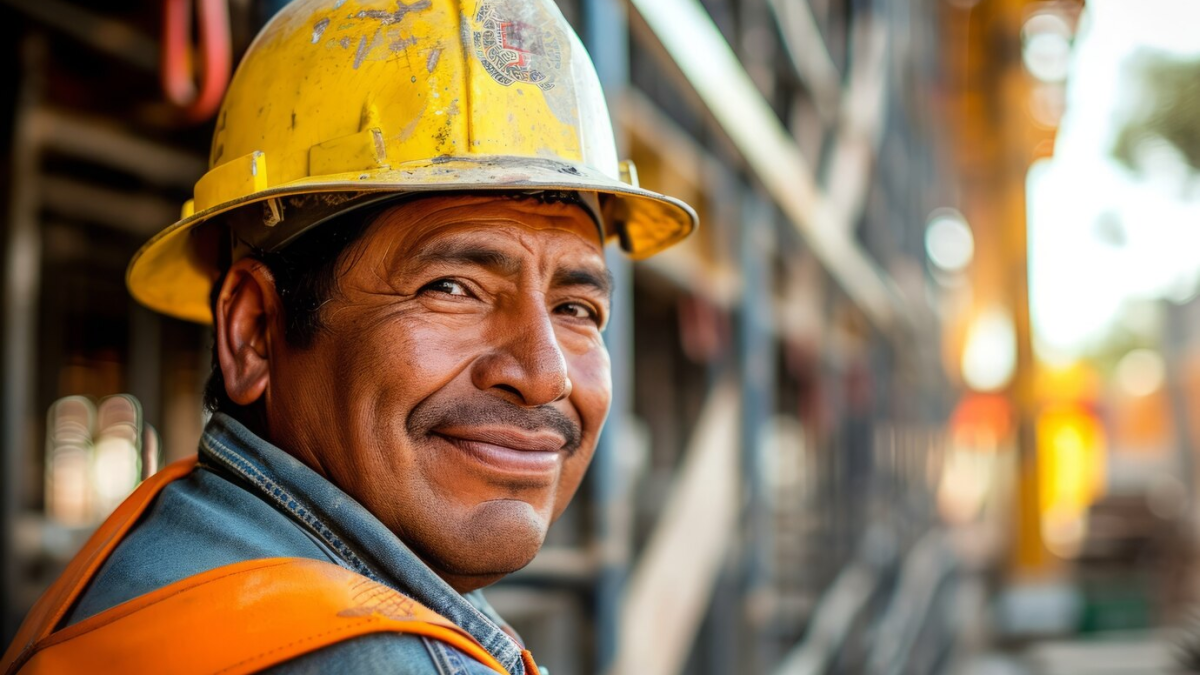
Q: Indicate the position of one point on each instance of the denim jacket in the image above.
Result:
(248, 499)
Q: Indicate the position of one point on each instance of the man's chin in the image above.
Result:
(498, 537)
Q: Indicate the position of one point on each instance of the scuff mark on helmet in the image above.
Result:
(387, 18)
(365, 47)
(319, 29)
(402, 43)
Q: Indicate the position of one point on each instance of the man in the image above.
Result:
(400, 247)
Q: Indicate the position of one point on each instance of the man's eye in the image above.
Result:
(578, 310)
(447, 286)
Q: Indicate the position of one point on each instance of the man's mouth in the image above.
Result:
(506, 449)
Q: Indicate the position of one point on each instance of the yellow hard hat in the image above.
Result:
(340, 103)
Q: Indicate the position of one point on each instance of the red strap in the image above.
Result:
(179, 72)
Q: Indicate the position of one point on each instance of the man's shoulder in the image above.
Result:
(198, 523)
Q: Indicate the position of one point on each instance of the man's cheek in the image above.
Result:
(591, 379)
(411, 355)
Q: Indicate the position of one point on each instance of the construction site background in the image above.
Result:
(917, 398)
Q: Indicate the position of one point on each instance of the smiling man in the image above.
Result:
(400, 247)
(468, 373)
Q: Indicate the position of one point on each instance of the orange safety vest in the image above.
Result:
(255, 614)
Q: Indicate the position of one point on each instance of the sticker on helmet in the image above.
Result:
(516, 47)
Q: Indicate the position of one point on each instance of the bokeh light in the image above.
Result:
(948, 241)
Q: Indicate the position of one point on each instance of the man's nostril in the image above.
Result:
(510, 389)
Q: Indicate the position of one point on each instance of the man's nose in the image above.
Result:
(526, 364)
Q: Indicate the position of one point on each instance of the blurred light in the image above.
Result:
(1071, 467)
(1141, 372)
(1078, 282)
(1144, 320)
(115, 469)
(1183, 292)
(1163, 163)
(965, 484)
(949, 280)
(93, 460)
(1047, 47)
(68, 461)
(948, 241)
(990, 355)
(981, 422)
(67, 497)
(1047, 103)
(1104, 232)
(1067, 382)
(114, 472)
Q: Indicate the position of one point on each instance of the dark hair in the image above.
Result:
(305, 273)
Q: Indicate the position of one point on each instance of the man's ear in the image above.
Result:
(247, 311)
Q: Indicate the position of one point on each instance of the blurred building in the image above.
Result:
(833, 446)
(780, 398)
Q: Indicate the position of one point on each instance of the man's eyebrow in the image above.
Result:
(580, 276)
(507, 265)
(471, 254)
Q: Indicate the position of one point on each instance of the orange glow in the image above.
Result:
(981, 422)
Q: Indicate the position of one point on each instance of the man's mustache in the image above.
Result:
(486, 410)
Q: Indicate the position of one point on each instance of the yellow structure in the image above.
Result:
(340, 104)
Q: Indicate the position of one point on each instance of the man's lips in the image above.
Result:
(506, 449)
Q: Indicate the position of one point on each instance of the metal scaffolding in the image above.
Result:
(777, 393)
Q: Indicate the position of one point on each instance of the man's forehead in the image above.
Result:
(504, 235)
(416, 223)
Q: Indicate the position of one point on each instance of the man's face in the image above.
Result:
(461, 384)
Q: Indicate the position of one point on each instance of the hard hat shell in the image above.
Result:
(344, 102)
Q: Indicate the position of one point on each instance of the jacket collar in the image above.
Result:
(358, 538)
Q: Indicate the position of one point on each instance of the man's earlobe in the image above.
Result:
(246, 309)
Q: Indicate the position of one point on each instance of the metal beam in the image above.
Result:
(101, 33)
(98, 142)
(670, 589)
(22, 284)
(697, 47)
(606, 34)
(860, 123)
(757, 368)
(840, 607)
(139, 214)
(809, 56)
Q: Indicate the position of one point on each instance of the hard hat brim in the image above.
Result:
(173, 273)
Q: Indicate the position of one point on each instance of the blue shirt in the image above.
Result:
(247, 499)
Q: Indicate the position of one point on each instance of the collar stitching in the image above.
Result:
(283, 498)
